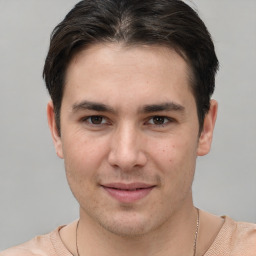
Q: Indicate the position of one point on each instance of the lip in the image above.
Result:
(128, 193)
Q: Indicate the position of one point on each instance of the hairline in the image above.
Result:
(124, 44)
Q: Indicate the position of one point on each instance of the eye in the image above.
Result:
(95, 120)
(159, 120)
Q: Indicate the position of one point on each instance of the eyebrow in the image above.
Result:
(100, 107)
(167, 106)
(89, 105)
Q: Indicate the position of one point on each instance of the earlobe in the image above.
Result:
(54, 131)
(205, 139)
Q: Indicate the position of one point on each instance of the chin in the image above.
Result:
(128, 231)
(130, 225)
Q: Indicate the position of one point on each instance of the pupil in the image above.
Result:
(158, 120)
(96, 119)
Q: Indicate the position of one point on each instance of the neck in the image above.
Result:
(175, 237)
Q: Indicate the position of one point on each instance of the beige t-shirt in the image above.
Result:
(234, 239)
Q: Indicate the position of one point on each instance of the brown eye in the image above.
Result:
(95, 120)
(159, 120)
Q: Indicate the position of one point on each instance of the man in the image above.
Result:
(131, 84)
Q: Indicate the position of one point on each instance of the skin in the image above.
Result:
(128, 115)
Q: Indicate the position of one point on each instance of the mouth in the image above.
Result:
(128, 193)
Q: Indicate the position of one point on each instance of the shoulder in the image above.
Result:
(244, 235)
(234, 238)
(38, 246)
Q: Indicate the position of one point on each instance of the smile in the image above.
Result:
(128, 193)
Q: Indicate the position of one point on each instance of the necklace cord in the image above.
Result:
(77, 251)
(197, 230)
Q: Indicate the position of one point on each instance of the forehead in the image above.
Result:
(113, 70)
(108, 54)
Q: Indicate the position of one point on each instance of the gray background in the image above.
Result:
(34, 196)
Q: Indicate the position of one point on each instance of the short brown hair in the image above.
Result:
(170, 23)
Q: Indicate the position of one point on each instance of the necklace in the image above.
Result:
(77, 251)
(196, 234)
(195, 240)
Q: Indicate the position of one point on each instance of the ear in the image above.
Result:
(205, 139)
(54, 131)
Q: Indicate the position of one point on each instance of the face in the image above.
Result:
(129, 136)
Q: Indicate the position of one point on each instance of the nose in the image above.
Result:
(127, 149)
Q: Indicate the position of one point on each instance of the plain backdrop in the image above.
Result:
(34, 195)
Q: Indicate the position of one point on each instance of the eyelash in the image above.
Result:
(88, 120)
(166, 120)
(150, 121)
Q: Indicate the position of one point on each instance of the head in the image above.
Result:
(130, 82)
(168, 23)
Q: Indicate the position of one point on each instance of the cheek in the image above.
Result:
(83, 158)
(166, 152)
(175, 157)
(81, 164)
(83, 150)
